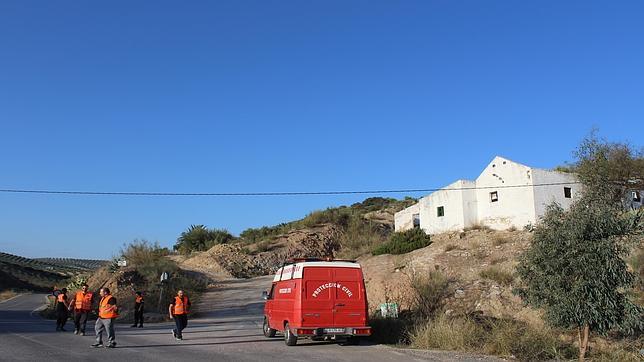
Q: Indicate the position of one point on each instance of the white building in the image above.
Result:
(505, 194)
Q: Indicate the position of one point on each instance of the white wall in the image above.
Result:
(403, 220)
(515, 206)
(470, 204)
(545, 195)
(452, 203)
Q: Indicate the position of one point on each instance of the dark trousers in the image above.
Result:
(181, 321)
(61, 318)
(80, 320)
(138, 317)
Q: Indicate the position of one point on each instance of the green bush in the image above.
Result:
(146, 262)
(404, 242)
(200, 238)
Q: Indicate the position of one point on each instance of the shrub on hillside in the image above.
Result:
(200, 238)
(404, 242)
(359, 235)
(429, 294)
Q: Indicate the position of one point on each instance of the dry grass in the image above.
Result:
(457, 334)
(497, 260)
(498, 240)
(477, 227)
(497, 274)
(503, 338)
(7, 294)
(430, 291)
(450, 247)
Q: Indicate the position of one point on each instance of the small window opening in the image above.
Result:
(494, 196)
(416, 220)
(636, 196)
(440, 211)
(567, 192)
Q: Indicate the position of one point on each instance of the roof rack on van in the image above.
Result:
(300, 260)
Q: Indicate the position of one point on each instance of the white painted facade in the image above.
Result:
(506, 194)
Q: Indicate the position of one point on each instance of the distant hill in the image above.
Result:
(17, 272)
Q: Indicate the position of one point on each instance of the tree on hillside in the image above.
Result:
(200, 238)
(608, 167)
(575, 268)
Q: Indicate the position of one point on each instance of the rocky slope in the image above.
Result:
(244, 261)
(478, 263)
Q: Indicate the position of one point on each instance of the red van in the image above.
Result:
(317, 299)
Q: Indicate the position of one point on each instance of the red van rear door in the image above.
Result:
(350, 305)
(318, 297)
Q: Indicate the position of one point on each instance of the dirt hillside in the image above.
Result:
(245, 261)
(478, 263)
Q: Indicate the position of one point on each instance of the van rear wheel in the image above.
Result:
(289, 338)
(268, 331)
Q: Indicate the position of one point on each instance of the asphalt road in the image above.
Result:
(228, 329)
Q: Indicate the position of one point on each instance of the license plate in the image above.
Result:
(334, 330)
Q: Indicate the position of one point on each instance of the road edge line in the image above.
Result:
(12, 298)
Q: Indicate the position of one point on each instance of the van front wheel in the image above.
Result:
(268, 331)
(289, 338)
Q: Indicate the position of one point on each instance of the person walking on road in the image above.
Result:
(138, 310)
(107, 313)
(61, 310)
(82, 305)
(178, 310)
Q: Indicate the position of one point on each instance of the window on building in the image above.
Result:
(567, 192)
(440, 211)
(636, 196)
(416, 220)
(494, 196)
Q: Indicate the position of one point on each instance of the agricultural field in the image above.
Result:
(20, 273)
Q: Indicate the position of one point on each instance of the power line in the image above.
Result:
(278, 193)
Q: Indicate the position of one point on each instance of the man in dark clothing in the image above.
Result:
(138, 310)
(178, 310)
(61, 310)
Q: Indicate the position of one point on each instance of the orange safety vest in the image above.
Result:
(61, 298)
(180, 305)
(83, 301)
(139, 299)
(106, 311)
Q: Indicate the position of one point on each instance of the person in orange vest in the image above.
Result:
(138, 310)
(107, 313)
(178, 310)
(61, 310)
(82, 305)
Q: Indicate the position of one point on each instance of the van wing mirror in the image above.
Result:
(265, 295)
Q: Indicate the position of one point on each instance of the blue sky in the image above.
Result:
(234, 96)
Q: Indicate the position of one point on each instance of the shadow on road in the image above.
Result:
(182, 344)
